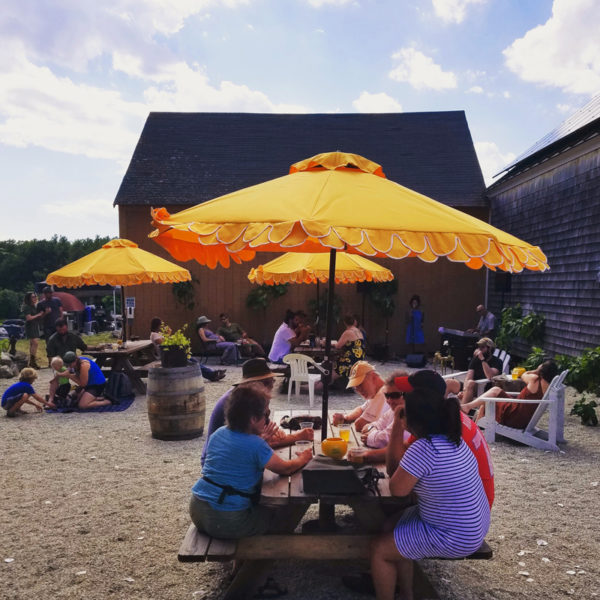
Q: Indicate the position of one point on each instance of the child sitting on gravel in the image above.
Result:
(21, 393)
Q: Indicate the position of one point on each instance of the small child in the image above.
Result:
(60, 386)
(23, 393)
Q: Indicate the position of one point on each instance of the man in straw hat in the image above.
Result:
(255, 369)
(368, 383)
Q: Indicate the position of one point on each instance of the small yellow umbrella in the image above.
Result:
(119, 262)
(298, 267)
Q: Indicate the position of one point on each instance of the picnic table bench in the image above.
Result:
(257, 552)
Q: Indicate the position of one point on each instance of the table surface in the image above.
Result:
(131, 348)
(282, 489)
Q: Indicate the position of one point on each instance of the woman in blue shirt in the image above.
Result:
(88, 375)
(224, 501)
(452, 514)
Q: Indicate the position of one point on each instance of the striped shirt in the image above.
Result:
(452, 515)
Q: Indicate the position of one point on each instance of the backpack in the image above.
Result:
(118, 387)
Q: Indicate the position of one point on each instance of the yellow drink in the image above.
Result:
(345, 433)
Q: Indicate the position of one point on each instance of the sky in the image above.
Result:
(79, 77)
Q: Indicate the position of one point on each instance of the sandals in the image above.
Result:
(270, 589)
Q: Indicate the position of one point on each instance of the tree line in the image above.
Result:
(23, 263)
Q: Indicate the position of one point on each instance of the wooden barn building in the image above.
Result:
(183, 159)
(550, 196)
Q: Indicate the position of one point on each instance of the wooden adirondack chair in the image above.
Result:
(553, 402)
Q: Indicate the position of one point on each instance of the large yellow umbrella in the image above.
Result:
(301, 267)
(337, 201)
(119, 262)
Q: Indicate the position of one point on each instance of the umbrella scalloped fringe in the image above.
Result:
(211, 244)
(124, 280)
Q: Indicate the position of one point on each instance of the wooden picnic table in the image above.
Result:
(120, 360)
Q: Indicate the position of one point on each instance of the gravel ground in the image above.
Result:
(93, 507)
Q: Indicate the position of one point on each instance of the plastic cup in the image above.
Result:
(302, 445)
(357, 455)
(344, 431)
(307, 425)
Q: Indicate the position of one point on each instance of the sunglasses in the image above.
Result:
(393, 395)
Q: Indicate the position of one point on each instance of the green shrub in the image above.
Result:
(530, 327)
(586, 409)
(10, 304)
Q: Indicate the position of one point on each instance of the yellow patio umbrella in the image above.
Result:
(300, 267)
(337, 201)
(119, 262)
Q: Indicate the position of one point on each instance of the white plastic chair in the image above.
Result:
(299, 374)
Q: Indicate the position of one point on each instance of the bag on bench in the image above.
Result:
(293, 423)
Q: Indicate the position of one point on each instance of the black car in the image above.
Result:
(14, 327)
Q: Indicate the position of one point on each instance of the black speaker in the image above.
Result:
(416, 361)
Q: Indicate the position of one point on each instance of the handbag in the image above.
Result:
(324, 475)
(293, 423)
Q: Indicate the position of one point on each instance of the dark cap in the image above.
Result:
(69, 357)
(425, 378)
(256, 369)
(47, 289)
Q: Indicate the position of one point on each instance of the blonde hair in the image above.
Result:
(28, 375)
(57, 363)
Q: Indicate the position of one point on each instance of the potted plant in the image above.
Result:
(175, 347)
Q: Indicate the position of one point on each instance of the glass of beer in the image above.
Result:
(357, 455)
(344, 431)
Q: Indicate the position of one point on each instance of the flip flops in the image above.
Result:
(270, 589)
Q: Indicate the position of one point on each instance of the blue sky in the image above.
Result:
(79, 77)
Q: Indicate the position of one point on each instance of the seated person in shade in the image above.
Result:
(88, 376)
(452, 515)
(290, 334)
(255, 370)
(21, 393)
(232, 332)
(515, 414)
(483, 365)
(156, 337)
(224, 501)
(63, 341)
(368, 383)
(211, 339)
(351, 349)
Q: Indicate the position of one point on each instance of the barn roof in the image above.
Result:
(577, 127)
(189, 158)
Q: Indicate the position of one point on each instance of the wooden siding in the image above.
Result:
(558, 208)
(449, 293)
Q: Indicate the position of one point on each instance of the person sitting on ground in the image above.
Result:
(486, 324)
(229, 356)
(21, 393)
(291, 333)
(351, 349)
(52, 309)
(232, 332)
(452, 515)
(369, 384)
(156, 337)
(63, 341)
(60, 384)
(224, 501)
(33, 326)
(483, 365)
(88, 376)
(255, 370)
(518, 414)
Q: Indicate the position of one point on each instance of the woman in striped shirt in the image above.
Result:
(452, 514)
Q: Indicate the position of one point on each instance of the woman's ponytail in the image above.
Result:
(452, 420)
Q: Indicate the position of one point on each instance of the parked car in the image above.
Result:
(3, 333)
(14, 327)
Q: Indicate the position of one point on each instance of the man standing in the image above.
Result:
(52, 309)
(368, 383)
(63, 341)
(290, 333)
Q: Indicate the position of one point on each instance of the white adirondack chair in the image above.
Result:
(299, 374)
(553, 402)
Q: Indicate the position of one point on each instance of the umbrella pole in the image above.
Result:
(123, 316)
(327, 363)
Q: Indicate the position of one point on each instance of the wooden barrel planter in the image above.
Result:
(176, 402)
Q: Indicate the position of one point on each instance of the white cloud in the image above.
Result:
(476, 89)
(506, 94)
(491, 159)
(420, 71)
(376, 103)
(453, 11)
(564, 108)
(563, 52)
(320, 3)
